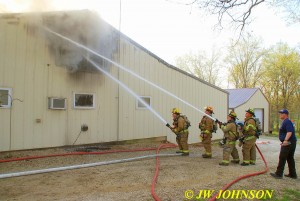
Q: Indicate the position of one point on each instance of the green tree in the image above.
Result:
(244, 60)
(281, 79)
(282, 71)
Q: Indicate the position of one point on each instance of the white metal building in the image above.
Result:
(51, 92)
(241, 100)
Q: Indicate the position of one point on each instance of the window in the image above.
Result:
(84, 100)
(146, 99)
(5, 97)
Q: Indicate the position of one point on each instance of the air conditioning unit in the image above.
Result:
(57, 103)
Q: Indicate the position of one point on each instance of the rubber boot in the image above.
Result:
(206, 155)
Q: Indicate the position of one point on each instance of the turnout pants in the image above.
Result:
(230, 149)
(249, 151)
(206, 141)
(182, 141)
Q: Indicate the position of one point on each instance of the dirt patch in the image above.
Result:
(132, 180)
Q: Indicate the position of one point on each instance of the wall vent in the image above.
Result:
(57, 103)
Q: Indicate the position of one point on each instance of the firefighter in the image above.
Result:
(229, 140)
(181, 130)
(206, 128)
(249, 139)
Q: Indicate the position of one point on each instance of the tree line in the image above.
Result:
(275, 70)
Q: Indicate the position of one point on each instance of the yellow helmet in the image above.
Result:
(175, 110)
(232, 114)
(251, 111)
(209, 108)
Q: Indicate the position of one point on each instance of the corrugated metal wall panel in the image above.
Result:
(4, 117)
(19, 83)
(256, 101)
(115, 116)
(27, 67)
(56, 121)
(193, 91)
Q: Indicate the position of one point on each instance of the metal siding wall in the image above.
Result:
(108, 112)
(256, 101)
(259, 101)
(19, 87)
(33, 80)
(123, 97)
(102, 119)
(39, 86)
(23, 67)
(55, 121)
(4, 82)
(136, 124)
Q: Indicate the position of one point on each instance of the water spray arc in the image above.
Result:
(129, 71)
(129, 90)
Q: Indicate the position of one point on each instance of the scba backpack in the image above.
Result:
(187, 121)
(258, 127)
(215, 127)
(258, 131)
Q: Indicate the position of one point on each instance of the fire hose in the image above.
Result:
(162, 146)
(244, 176)
(17, 174)
(74, 153)
(154, 181)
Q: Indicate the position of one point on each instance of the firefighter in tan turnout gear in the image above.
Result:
(206, 128)
(249, 139)
(180, 128)
(229, 141)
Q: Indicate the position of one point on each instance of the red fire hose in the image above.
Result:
(76, 153)
(162, 146)
(244, 176)
(157, 169)
(224, 188)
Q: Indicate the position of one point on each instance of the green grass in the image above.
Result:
(288, 195)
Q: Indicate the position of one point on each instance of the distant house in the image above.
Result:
(66, 99)
(242, 99)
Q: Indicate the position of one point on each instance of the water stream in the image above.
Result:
(129, 71)
(128, 90)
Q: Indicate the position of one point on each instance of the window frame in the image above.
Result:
(9, 97)
(84, 107)
(138, 107)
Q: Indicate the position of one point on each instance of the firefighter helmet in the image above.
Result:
(232, 114)
(209, 108)
(175, 110)
(251, 111)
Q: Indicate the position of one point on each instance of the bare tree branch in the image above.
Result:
(238, 12)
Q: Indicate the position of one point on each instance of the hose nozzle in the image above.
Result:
(168, 125)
